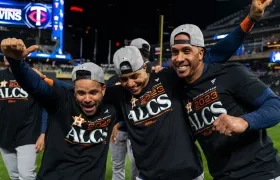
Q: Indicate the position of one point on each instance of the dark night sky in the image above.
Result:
(123, 19)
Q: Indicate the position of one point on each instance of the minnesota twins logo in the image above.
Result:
(37, 16)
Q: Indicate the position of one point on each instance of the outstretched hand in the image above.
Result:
(16, 49)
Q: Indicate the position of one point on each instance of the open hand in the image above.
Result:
(258, 7)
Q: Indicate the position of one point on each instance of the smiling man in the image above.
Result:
(231, 100)
(192, 49)
(159, 133)
(80, 126)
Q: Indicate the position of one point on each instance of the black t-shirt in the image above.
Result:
(230, 89)
(161, 139)
(115, 80)
(150, 64)
(76, 145)
(20, 114)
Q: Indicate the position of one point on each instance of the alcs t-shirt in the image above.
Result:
(230, 89)
(161, 139)
(76, 145)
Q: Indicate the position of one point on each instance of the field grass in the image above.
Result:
(273, 132)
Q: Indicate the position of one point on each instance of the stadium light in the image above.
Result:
(76, 9)
(118, 44)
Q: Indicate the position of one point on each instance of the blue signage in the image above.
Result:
(58, 22)
(275, 57)
(50, 56)
(39, 16)
(32, 15)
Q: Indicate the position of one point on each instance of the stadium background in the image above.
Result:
(260, 53)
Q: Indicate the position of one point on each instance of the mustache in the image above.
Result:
(89, 104)
(181, 64)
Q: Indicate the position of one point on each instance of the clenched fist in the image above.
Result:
(227, 125)
(15, 48)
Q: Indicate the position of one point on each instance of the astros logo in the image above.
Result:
(189, 107)
(3, 83)
(78, 120)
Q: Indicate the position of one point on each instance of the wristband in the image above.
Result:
(48, 81)
(247, 24)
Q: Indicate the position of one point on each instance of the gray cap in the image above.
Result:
(196, 36)
(96, 72)
(139, 42)
(127, 59)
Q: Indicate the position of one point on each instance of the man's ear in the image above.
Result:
(145, 66)
(201, 53)
(103, 89)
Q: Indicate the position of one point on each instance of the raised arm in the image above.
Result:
(58, 83)
(225, 48)
(53, 82)
(15, 51)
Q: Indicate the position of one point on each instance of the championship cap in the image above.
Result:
(127, 59)
(88, 70)
(140, 44)
(196, 36)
